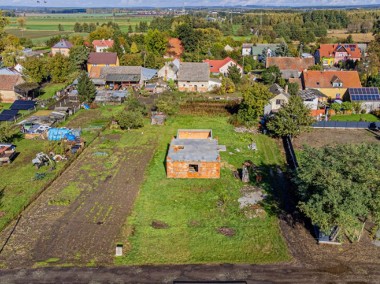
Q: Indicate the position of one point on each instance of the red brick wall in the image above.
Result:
(184, 134)
(181, 169)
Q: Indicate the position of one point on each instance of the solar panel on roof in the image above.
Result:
(5, 117)
(9, 112)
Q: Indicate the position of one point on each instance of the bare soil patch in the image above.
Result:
(323, 137)
(83, 231)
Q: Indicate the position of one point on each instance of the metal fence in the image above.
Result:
(346, 124)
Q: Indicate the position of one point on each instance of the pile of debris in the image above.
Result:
(243, 129)
(250, 201)
(7, 153)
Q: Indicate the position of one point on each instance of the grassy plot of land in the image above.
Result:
(194, 210)
(50, 90)
(355, 117)
(17, 182)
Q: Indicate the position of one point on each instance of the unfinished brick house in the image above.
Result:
(193, 154)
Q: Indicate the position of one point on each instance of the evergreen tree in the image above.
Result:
(291, 119)
(86, 89)
(234, 74)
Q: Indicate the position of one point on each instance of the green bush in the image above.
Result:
(130, 120)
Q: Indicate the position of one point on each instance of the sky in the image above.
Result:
(171, 3)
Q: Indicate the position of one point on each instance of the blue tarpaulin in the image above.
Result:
(56, 134)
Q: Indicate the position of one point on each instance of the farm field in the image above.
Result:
(195, 209)
(356, 37)
(322, 137)
(39, 28)
(354, 117)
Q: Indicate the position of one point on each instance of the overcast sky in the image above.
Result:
(171, 3)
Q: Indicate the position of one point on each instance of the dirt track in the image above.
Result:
(85, 231)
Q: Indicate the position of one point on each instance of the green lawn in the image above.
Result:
(354, 117)
(50, 89)
(17, 186)
(194, 209)
(5, 106)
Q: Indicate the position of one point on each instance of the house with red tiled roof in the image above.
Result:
(332, 54)
(290, 67)
(63, 47)
(221, 66)
(8, 84)
(102, 45)
(331, 83)
(102, 59)
(175, 48)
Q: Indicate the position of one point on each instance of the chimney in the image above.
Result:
(286, 89)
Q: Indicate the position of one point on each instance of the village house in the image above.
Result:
(290, 67)
(102, 45)
(194, 154)
(368, 97)
(312, 98)
(333, 84)
(332, 54)
(256, 51)
(102, 59)
(279, 98)
(62, 47)
(221, 66)
(8, 87)
(121, 77)
(193, 77)
(169, 70)
(175, 48)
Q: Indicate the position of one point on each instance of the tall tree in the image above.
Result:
(78, 57)
(156, 42)
(252, 105)
(86, 89)
(292, 119)
(21, 22)
(338, 185)
(35, 69)
(59, 68)
(282, 49)
(234, 74)
(271, 75)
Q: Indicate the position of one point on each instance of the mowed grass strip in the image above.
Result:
(195, 209)
(355, 117)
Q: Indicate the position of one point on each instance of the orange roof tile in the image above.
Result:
(103, 43)
(323, 79)
(95, 72)
(215, 65)
(317, 112)
(329, 50)
(290, 63)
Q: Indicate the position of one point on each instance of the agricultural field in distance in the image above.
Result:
(356, 37)
(42, 26)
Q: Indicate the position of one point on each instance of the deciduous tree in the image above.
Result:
(338, 185)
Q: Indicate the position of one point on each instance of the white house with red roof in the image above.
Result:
(102, 45)
(221, 66)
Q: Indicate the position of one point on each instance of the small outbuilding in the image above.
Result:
(193, 153)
